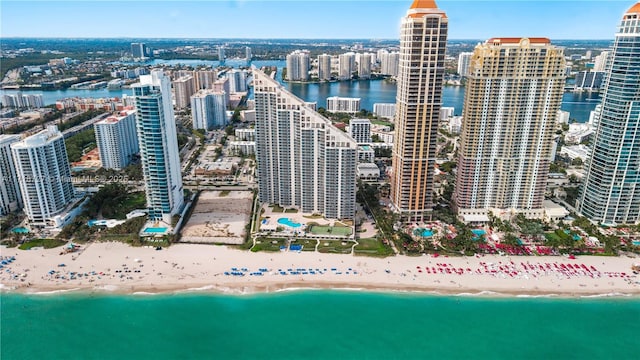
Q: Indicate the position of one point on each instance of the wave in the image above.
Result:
(614, 294)
(106, 288)
(480, 293)
(202, 288)
(53, 292)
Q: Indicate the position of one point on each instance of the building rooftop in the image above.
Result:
(420, 8)
(517, 40)
(635, 9)
(424, 4)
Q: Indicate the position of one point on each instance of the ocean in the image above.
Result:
(316, 324)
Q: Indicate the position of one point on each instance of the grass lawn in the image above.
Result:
(46, 243)
(330, 230)
(551, 236)
(119, 208)
(307, 245)
(315, 216)
(224, 193)
(277, 209)
(268, 244)
(291, 211)
(335, 246)
(382, 122)
(372, 247)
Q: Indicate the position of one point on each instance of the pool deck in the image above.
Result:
(153, 225)
(298, 217)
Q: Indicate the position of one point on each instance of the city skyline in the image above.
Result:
(255, 19)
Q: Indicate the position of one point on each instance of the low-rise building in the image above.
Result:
(366, 154)
(368, 172)
(242, 148)
(575, 151)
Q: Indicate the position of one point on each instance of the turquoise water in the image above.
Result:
(636, 242)
(20, 230)
(478, 232)
(288, 222)
(316, 325)
(155, 230)
(427, 233)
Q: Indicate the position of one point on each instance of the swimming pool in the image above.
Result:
(636, 242)
(155, 230)
(288, 222)
(20, 230)
(478, 232)
(427, 233)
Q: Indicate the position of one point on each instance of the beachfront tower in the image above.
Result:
(43, 172)
(512, 97)
(423, 39)
(611, 189)
(158, 142)
(10, 197)
(302, 160)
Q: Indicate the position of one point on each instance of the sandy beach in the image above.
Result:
(119, 268)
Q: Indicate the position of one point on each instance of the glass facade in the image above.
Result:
(611, 191)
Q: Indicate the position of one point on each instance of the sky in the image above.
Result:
(328, 19)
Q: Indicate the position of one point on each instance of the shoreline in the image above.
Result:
(118, 269)
(213, 290)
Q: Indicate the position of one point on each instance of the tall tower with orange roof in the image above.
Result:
(423, 40)
(611, 190)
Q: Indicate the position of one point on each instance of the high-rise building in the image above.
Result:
(423, 39)
(611, 187)
(43, 172)
(117, 139)
(20, 100)
(360, 130)
(10, 198)
(247, 53)
(324, 67)
(222, 85)
(343, 104)
(364, 66)
(347, 65)
(237, 80)
(513, 94)
(302, 159)
(463, 63)
(221, 55)
(205, 79)
(208, 109)
(184, 88)
(298, 66)
(589, 80)
(140, 51)
(600, 61)
(158, 141)
(385, 110)
(389, 63)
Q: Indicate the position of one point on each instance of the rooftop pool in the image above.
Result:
(288, 222)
